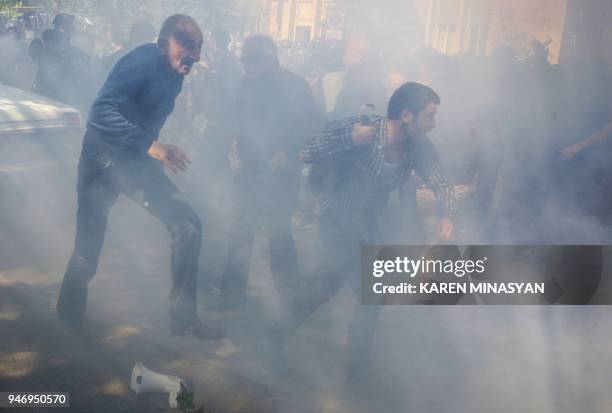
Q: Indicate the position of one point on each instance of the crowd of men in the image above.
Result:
(357, 127)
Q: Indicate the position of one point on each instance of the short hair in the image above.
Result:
(259, 47)
(63, 20)
(413, 97)
(176, 26)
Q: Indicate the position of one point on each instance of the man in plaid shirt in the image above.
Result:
(367, 163)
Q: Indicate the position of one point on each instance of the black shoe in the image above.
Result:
(72, 303)
(196, 328)
(78, 326)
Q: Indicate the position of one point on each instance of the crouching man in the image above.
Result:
(121, 155)
(368, 162)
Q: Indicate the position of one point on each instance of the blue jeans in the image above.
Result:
(269, 201)
(340, 262)
(100, 182)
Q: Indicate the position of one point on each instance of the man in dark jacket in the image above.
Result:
(215, 97)
(362, 82)
(225, 77)
(65, 72)
(121, 154)
(275, 116)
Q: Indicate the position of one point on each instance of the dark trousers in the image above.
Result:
(269, 201)
(144, 181)
(340, 251)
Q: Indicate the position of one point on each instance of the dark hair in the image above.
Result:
(259, 47)
(176, 26)
(411, 96)
(63, 20)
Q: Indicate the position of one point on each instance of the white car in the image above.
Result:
(40, 141)
(31, 125)
(24, 111)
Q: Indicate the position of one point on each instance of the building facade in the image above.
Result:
(479, 26)
(296, 20)
(457, 26)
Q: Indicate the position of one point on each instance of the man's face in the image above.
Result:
(256, 64)
(426, 120)
(356, 52)
(184, 50)
(423, 122)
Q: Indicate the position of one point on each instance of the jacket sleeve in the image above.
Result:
(305, 121)
(125, 81)
(335, 139)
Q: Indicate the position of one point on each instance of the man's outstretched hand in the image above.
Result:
(172, 157)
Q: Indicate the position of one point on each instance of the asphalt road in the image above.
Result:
(426, 359)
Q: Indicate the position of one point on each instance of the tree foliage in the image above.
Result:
(234, 14)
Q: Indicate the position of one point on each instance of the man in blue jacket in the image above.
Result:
(121, 154)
